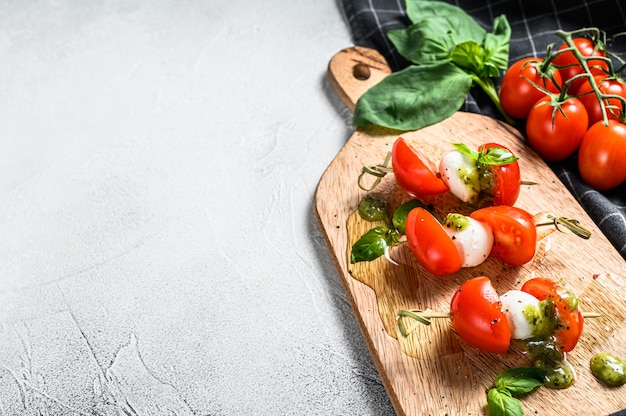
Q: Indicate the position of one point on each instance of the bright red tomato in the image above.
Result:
(555, 130)
(602, 155)
(569, 318)
(506, 180)
(570, 66)
(477, 316)
(517, 92)
(607, 86)
(431, 245)
(514, 233)
(412, 174)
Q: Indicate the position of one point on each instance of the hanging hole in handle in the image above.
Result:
(361, 71)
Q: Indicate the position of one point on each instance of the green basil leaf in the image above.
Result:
(400, 214)
(496, 156)
(502, 404)
(470, 56)
(496, 45)
(371, 245)
(460, 25)
(520, 380)
(466, 150)
(422, 43)
(414, 97)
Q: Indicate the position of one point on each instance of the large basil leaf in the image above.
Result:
(426, 41)
(415, 97)
(496, 45)
(459, 22)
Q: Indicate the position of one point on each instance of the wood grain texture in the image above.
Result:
(433, 372)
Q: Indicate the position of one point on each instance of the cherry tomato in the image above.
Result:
(555, 130)
(569, 318)
(614, 106)
(431, 245)
(506, 180)
(514, 233)
(412, 174)
(602, 155)
(570, 66)
(517, 92)
(477, 316)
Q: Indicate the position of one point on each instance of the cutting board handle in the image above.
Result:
(352, 71)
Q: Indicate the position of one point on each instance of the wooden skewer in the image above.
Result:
(424, 317)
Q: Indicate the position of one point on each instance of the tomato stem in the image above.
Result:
(567, 37)
(486, 84)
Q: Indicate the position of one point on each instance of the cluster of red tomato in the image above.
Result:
(564, 115)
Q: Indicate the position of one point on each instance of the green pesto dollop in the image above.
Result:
(544, 324)
(372, 209)
(458, 222)
(609, 369)
(569, 297)
(544, 352)
(472, 181)
(486, 180)
(559, 374)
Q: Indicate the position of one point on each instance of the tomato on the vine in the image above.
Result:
(569, 318)
(606, 86)
(412, 174)
(514, 233)
(506, 179)
(431, 244)
(602, 154)
(477, 316)
(555, 129)
(517, 92)
(570, 66)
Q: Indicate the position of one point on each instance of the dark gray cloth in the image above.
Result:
(533, 23)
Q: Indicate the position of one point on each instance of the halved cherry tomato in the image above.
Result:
(514, 233)
(555, 130)
(602, 155)
(506, 179)
(607, 86)
(477, 317)
(412, 174)
(570, 67)
(569, 318)
(517, 92)
(431, 245)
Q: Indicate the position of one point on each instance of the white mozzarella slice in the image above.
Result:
(459, 172)
(522, 311)
(473, 239)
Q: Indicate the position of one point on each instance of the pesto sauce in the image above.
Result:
(372, 209)
(486, 180)
(458, 222)
(609, 369)
(471, 178)
(544, 351)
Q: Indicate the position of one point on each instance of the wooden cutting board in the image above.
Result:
(433, 372)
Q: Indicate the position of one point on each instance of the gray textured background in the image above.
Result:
(159, 253)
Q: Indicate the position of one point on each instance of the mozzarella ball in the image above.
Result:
(460, 173)
(522, 312)
(473, 239)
